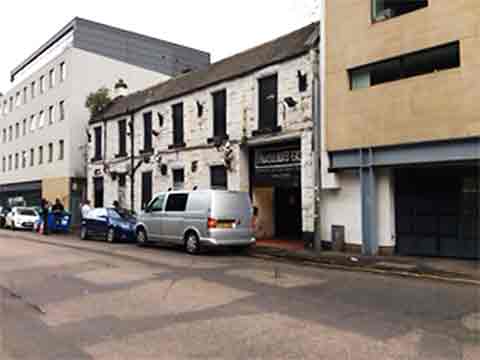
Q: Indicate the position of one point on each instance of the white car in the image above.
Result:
(21, 218)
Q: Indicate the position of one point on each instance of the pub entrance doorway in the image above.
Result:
(275, 178)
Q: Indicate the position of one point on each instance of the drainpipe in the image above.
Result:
(132, 160)
(317, 126)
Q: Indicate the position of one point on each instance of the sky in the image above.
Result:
(221, 27)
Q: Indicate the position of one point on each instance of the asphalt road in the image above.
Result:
(64, 303)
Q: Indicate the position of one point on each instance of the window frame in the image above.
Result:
(376, 20)
(212, 177)
(402, 58)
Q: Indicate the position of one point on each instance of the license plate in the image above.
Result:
(226, 225)
(28, 224)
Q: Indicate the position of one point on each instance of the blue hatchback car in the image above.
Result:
(108, 224)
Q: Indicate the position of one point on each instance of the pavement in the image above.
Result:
(62, 298)
(440, 269)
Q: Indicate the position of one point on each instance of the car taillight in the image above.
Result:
(212, 223)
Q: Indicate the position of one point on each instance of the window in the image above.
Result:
(24, 159)
(42, 84)
(41, 119)
(10, 162)
(177, 111)
(10, 104)
(122, 138)
(146, 188)
(63, 72)
(218, 177)
(32, 90)
(4, 135)
(176, 202)
(268, 100)
(10, 133)
(18, 99)
(147, 132)
(5, 107)
(17, 130)
(51, 78)
(62, 110)
(40, 155)
(25, 95)
(51, 115)
(16, 161)
(157, 204)
(220, 114)
(386, 9)
(61, 150)
(4, 164)
(32, 123)
(24, 127)
(419, 63)
(98, 143)
(32, 157)
(50, 152)
(98, 192)
(178, 178)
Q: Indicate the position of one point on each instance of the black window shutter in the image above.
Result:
(220, 114)
(122, 137)
(98, 192)
(178, 124)
(146, 188)
(147, 135)
(98, 143)
(268, 99)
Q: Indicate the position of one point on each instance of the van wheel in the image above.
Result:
(142, 239)
(84, 233)
(111, 235)
(192, 243)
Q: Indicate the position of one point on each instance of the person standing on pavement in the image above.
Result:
(86, 208)
(44, 206)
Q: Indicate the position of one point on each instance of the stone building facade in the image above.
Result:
(265, 98)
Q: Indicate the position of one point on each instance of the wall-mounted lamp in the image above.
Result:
(291, 103)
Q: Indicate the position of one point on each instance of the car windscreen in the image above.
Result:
(26, 212)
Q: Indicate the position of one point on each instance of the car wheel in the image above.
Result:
(142, 239)
(84, 233)
(192, 243)
(111, 235)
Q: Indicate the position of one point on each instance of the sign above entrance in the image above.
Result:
(280, 157)
(278, 166)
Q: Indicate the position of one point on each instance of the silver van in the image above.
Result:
(197, 219)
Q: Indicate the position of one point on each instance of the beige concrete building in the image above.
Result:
(402, 126)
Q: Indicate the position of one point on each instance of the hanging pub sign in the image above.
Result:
(278, 166)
